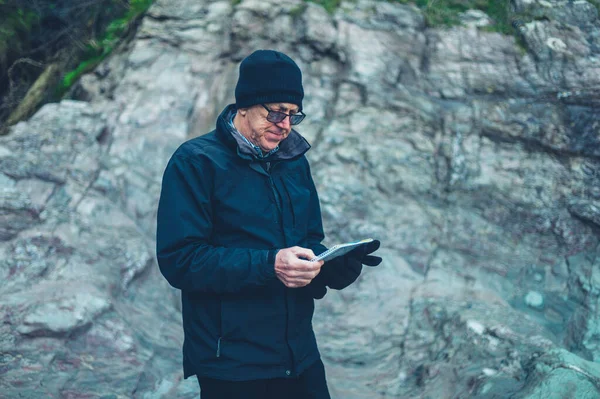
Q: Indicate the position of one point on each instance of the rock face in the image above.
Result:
(475, 159)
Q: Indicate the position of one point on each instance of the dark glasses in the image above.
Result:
(276, 116)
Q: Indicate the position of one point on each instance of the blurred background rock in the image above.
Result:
(463, 134)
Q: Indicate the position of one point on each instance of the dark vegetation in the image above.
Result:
(45, 45)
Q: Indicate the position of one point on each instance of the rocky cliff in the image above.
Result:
(474, 157)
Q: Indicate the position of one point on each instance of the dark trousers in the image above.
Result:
(311, 384)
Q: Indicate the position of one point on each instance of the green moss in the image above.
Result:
(297, 11)
(83, 67)
(329, 5)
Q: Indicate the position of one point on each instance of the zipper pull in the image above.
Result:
(219, 347)
(268, 166)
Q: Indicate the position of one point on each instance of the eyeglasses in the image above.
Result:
(276, 116)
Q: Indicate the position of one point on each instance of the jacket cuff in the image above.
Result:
(269, 267)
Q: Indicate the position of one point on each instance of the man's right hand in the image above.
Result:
(293, 267)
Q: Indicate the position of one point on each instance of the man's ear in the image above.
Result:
(242, 111)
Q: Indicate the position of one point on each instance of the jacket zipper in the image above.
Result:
(285, 292)
(291, 205)
(220, 327)
(278, 204)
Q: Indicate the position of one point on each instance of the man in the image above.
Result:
(238, 222)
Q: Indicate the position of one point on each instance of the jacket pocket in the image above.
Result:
(251, 317)
(252, 329)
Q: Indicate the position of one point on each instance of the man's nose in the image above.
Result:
(285, 123)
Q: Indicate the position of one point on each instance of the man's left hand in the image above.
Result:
(341, 274)
(362, 254)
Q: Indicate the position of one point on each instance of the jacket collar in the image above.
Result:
(294, 146)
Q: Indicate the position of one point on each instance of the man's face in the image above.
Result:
(260, 131)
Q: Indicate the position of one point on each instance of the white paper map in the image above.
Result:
(340, 249)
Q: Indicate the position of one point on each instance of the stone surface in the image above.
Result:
(560, 374)
(63, 315)
(472, 156)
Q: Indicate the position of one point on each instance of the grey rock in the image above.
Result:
(588, 210)
(558, 374)
(571, 13)
(18, 213)
(584, 288)
(475, 18)
(534, 299)
(320, 31)
(63, 315)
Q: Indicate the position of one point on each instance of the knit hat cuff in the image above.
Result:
(292, 98)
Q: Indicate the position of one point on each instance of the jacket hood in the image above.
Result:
(294, 146)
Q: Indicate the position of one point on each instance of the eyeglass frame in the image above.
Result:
(271, 113)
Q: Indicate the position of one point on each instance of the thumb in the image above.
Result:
(371, 260)
(304, 253)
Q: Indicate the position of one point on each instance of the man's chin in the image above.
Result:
(270, 145)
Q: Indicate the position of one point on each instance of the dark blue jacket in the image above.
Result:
(222, 214)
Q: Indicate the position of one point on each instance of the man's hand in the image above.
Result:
(341, 274)
(362, 254)
(293, 268)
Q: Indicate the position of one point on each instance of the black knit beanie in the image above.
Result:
(268, 76)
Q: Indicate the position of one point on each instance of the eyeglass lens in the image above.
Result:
(276, 117)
